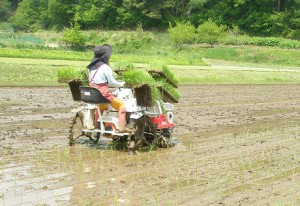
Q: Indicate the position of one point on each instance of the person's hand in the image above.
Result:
(122, 84)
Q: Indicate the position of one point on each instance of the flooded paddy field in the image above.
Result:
(238, 145)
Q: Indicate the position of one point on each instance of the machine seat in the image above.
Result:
(92, 95)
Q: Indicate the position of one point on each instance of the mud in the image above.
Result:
(239, 145)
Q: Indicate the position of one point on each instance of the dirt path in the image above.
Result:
(239, 145)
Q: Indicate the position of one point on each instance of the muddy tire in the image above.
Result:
(94, 138)
(75, 129)
(168, 142)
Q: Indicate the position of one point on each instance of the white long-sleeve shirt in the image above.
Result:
(104, 75)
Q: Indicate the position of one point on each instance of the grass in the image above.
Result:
(29, 72)
(172, 58)
(28, 75)
(227, 76)
(140, 47)
(265, 55)
(38, 66)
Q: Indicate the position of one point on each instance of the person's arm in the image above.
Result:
(110, 78)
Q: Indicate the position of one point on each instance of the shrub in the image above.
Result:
(182, 33)
(73, 36)
(7, 27)
(274, 41)
(210, 32)
(295, 34)
(122, 41)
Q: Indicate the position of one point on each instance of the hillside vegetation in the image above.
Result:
(32, 59)
(278, 18)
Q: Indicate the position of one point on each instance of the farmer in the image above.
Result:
(101, 75)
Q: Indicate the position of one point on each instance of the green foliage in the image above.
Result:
(257, 17)
(66, 74)
(122, 41)
(147, 12)
(6, 27)
(58, 14)
(273, 41)
(231, 39)
(295, 34)
(182, 33)
(210, 32)
(261, 41)
(197, 3)
(27, 16)
(5, 10)
(74, 36)
(97, 14)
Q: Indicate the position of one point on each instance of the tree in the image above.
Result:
(210, 32)
(60, 13)
(14, 3)
(255, 17)
(146, 12)
(97, 14)
(27, 16)
(5, 10)
(182, 33)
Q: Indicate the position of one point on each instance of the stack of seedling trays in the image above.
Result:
(161, 83)
(150, 85)
(75, 77)
(166, 85)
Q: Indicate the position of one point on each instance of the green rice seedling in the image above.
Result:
(161, 66)
(123, 65)
(66, 74)
(138, 77)
(171, 90)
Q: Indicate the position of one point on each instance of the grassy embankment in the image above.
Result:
(195, 64)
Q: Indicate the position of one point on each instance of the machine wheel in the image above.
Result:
(168, 142)
(75, 131)
(94, 138)
(166, 139)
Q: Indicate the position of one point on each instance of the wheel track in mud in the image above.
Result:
(149, 172)
(204, 167)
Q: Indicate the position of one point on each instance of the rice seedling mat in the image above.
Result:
(154, 74)
(166, 96)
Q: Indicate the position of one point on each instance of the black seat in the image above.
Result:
(92, 95)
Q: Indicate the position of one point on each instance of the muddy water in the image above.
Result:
(239, 145)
